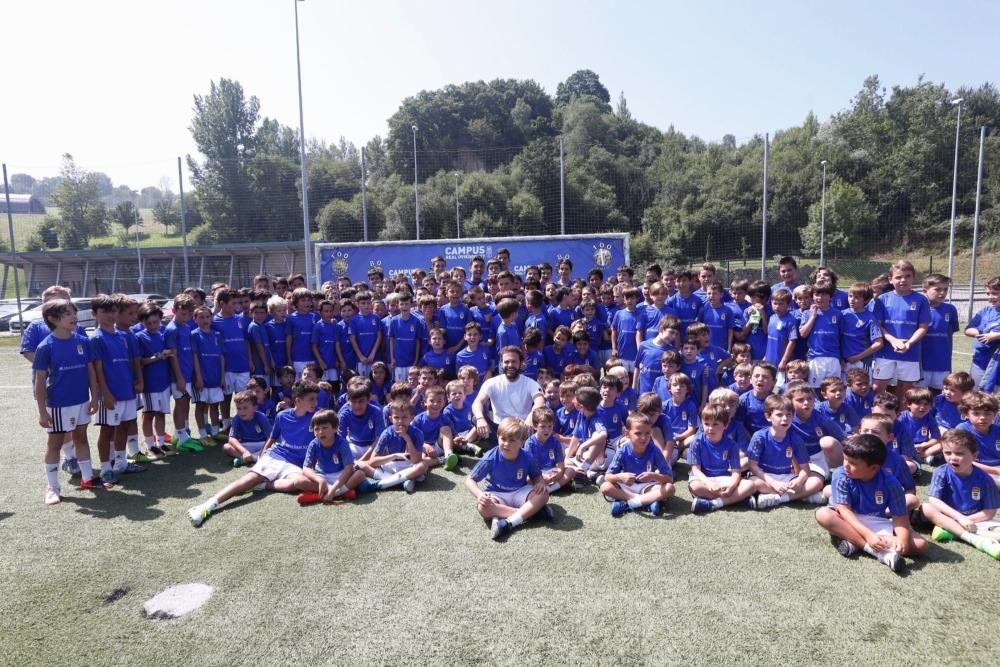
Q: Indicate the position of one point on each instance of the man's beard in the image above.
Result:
(512, 373)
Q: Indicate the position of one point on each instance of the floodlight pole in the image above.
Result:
(822, 220)
(302, 156)
(364, 195)
(184, 234)
(13, 246)
(954, 198)
(975, 226)
(458, 219)
(562, 188)
(138, 250)
(763, 230)
(416, 188)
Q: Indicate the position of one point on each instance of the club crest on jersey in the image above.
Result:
(257, 428)
(947, 317)
(879, 497)
(411, 328)
(520, 473)
(788, 452)
(913, 306)
(924, 431)
(819, 432)
(552, 455)
(977, 493)
(336, 459)
(79, 349)
(371, 425)
(684, 415)
(860, 324)
(649, 466)
(833, 320)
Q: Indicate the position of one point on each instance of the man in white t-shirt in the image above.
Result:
(510, 395)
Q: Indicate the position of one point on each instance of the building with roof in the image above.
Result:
(22, 204)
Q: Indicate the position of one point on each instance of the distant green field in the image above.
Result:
(152, 233)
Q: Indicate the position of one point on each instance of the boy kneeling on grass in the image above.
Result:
(862, 494)
(963, 498)
(328, 472)
(280, 462)
(639, 477)
(516, 490)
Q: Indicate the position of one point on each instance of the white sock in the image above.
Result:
(973, 539)
(68, 450)
(635, 503)
(783, 498)
(86, 470)
(118, 458)
(150, 440)
(161, 440)
(341, 491)
(515, 520)
(392, 480)
(717, 503)
(105, 467)
(52, 476)
(212, 504)
(132, 445)
(871, 552)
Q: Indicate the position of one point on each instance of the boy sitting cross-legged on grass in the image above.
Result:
(545, 446)
(516, 490)
(980, 412)
(963, 499)
(863, 494)
(779, 461)
(280, 462)
(328, 471)
(398, 458)
(716, 479)
(249, 430)
(639, 476)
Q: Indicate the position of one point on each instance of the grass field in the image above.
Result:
(153, 234)
(416, 579)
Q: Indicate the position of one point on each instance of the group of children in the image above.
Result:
(766, 392)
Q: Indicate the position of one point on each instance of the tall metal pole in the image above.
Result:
(562, 188)
(975, 225)
(954, 198)
(763, 231)
(138, 250)
(822, 220)
(302, 157)
(458, 219)
(13, 247)
(416, 188)
(364, 195)
(184, 233)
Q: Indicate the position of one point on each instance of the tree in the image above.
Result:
(81, 213)
(125, 214)
(848, 216)
(583, 83)
(22, 183)
(167, 214)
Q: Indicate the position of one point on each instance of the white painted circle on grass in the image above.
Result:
(177, 601)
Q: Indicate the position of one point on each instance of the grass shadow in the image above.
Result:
(435, 481)
(112, 504)
(5, 515)
(563, 522)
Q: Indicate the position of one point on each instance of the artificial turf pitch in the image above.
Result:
(416, 579)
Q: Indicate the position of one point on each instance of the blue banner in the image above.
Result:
(587, 251)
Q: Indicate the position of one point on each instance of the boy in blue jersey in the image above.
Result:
(113, 367)
(406, 332)
(610, 410)
(754, 320)
(589, 449)
(507, 334)
(516, 490)
(862, 494)
(716, 479)
(548, 452)
(453, 317)
(984, 327)
(779, 461)
(979, 410)
(718, 318)
(398, 458)
(860, 338)
(177, 338)
(261, 363)
(751, 412)
(833, 391)
(702, 379)
(883, 427)
(328, 471)
(473, 354)
(822, 326)
(903, 317)
(534, 358)
(325, 338)
(648, 359)
(281, 459)
(963, 500)
(860, 396)
(66, 392)
(277, 336)
(359, 421)
(567, 415)
(782, 334)
(127, 434)
(563, 313)
(680, 416)
(654, 312)
(596, 328)
(822, 436)
(459, 413)
(534, 301)
(919, 420)
(300, 324)
(209, 371)
(639, 477)
(684, 302)
(248, 432)
(582, 354)
(437, 430)
(438, 357)
(557, 354)
(154, 359)
(947, 405)
(625, 327)
(235, 349)
(902, 443)
(935, 359)
(365, 332)
(788, 271)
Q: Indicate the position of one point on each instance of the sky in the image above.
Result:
(112, 82)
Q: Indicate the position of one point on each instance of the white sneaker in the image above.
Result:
(816, 499)
(409, 486)
(894, 561)
(198, 514)
(52, 496)
(768, 500)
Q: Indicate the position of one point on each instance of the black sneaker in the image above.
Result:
(844, 548)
